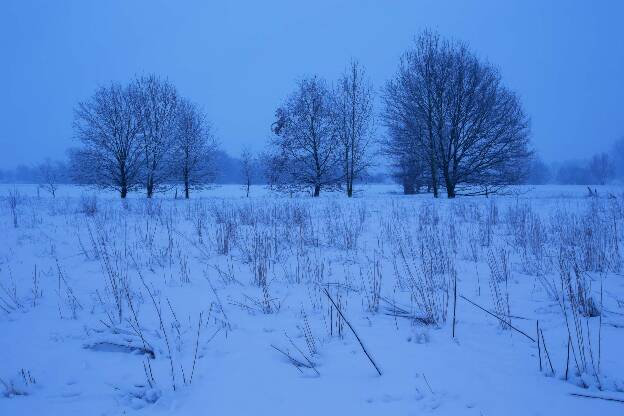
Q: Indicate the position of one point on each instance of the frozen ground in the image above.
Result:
(217, 305)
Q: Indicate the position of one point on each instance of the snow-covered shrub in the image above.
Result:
(529, 236)
(225, 234)
(371, 278)
(426, 262)
(343, 225)
(579, 307)
(14, 198)
(500, 275)
(593, 234)
(21, 384)
(88, 205)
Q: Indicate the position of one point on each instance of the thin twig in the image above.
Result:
(296, 363)
(546, 349)
(539, 349)
(199, 324)
(589, 396)
(497, 317)
(352, 330)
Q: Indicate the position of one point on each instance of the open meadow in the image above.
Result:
(279, 304)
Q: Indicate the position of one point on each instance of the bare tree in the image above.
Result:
(471, 129)
(194, 148)
(408, 166)
(273, 167)
(353, 115)
(412, 102)
(49, 177)
(305, 143)
(483, 137)
(14, 199)
(109, 129)
(601, 168)
(157, 110)
(248, 167)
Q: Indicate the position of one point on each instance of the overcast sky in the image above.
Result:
(239, 59)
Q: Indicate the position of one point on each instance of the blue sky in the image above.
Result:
(238, 59)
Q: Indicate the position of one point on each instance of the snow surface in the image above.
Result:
(64, 350)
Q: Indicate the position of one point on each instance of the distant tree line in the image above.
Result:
(450, 125)
(599, 169)
(227, 169)
(33, 173)
(602, 168)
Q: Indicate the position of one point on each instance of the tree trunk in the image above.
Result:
(408, 188)
(123, 181)
(434, 179)
(150, 188)
(450, 189)
(186, 189)
(417, 187)
(434, 186)
(449, 181)
(317, 190)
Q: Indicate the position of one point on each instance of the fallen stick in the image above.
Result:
(497, 317)
(352, 330)
(589, 396)
(296, 363)
(312, 366)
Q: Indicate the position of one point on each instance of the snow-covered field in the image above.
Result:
(229, 305)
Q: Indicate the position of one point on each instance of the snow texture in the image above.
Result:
(225, 305)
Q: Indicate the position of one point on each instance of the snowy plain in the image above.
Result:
(230, 305)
